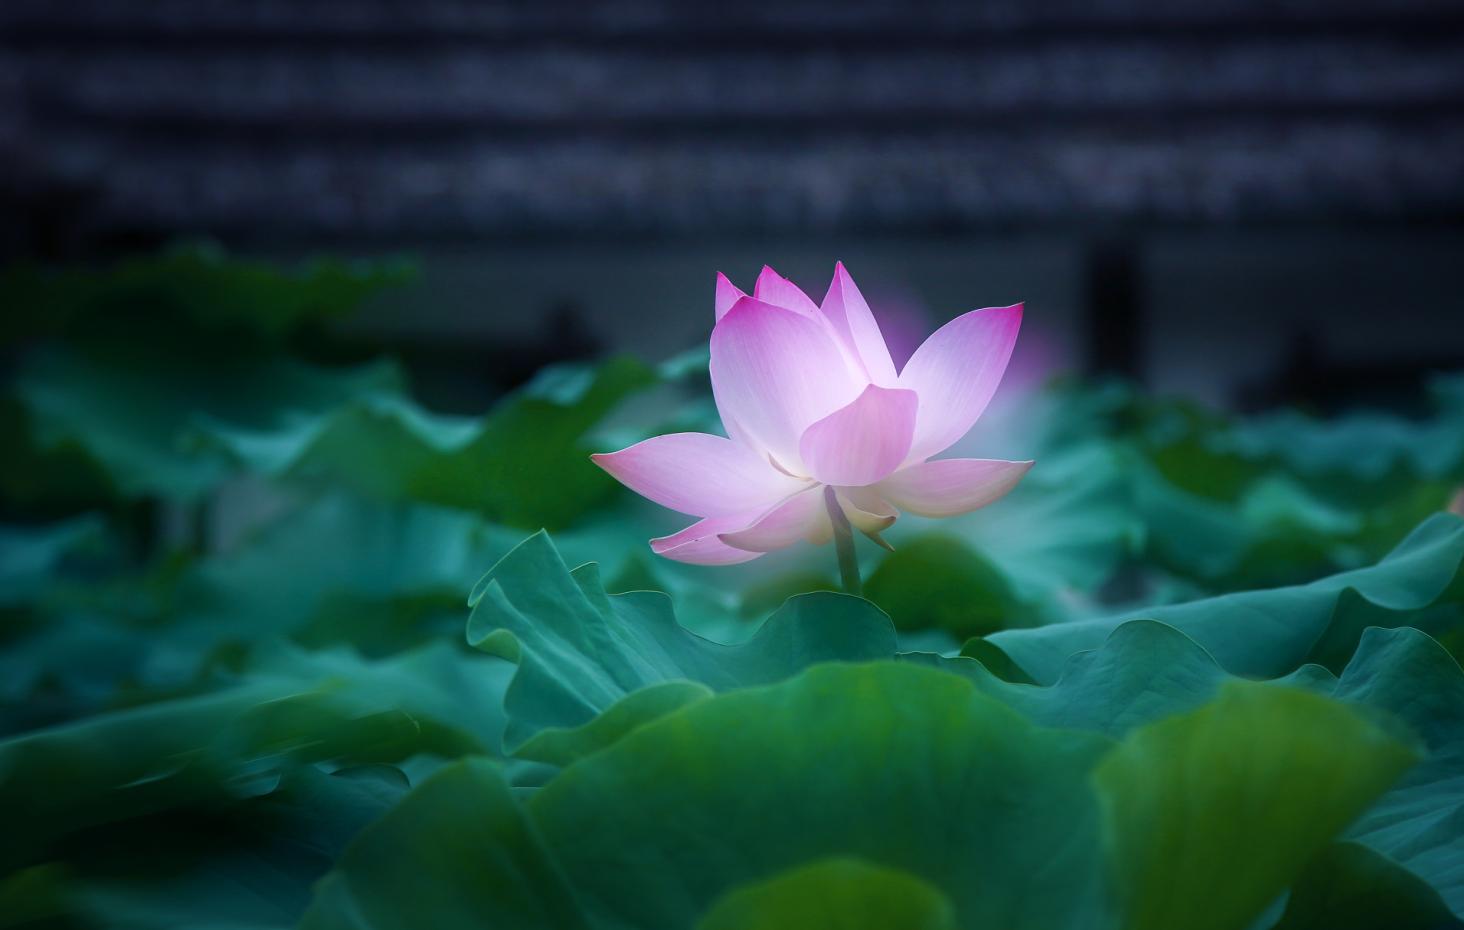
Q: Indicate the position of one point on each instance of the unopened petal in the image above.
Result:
(946, 487)
(955, 372)
(698, 474)
(863, 441)
(849, 315)
(698, 544)
(776, 372)
(727, 295)
(794, 519)
(777, 290)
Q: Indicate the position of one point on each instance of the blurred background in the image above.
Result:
(1242, 201)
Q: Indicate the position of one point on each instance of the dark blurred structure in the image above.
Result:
(1209, 184)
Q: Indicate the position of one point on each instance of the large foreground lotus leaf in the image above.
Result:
(1146, 670)
(903, 768)
(1420, 823)
(834, 894)
(1352, 887)
(579, 650)
(458, 852)
(1211, 814)
(1265, 634)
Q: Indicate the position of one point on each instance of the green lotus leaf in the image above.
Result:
(250, 864)
(727, 804)
(458, 852)
(579, 650)
(1211, 814)
(834, 894)
(524, 464)
(1351, 887)
(1266, 634)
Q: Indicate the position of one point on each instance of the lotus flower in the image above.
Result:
(821, 428)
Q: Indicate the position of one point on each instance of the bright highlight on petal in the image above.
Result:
(849, 315)
(698, 474)
(824, 435)
(776, 373)
(955, 372)
(947, 487)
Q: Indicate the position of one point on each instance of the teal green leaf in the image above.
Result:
(1211, 814)
(338, 552)
(134, 411)
(456, 853)
(197, 751)
(32, 557)
(1420, 823)
(938, 581)
(1147, 670)
(721, 806)
(834, 894)
(1270, 633)
(579, 650)
(1143, 671)
(249, 865)
(524, 464)
(1351, 887)
(902, 767)
(558, 746)
(1065, 529)
(202, 752)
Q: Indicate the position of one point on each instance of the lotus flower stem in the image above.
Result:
(844, 544)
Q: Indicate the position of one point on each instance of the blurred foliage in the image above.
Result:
(252, 671)
(196, 288)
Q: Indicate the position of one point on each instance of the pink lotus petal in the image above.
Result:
(946, 487)
(698, 544)
(864, 441)
(848, 313)
(734, 430)
(777, 290)
(955, 372)
(775, 372)
(698, 474)
(794, 519)
(727, 295)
